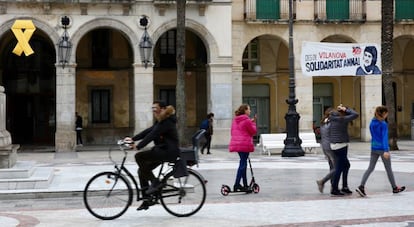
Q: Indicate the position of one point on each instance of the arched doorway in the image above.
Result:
(265, 64)
(30, 83)
(104, 85)
(165, 74)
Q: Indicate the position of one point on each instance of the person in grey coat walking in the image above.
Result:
(339, 139)
(325, 144)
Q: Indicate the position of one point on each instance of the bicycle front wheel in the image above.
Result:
(184, 196)
(107, 195)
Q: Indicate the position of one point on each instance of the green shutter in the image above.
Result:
(337, 9)
(404, 9)
(267, 9)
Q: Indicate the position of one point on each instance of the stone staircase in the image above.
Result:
(25, 175)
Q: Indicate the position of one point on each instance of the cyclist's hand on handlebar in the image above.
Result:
(128, 142)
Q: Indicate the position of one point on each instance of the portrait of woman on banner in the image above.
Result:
(369, 62)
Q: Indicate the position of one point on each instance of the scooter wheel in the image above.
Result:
(225, 190)
(256, 188)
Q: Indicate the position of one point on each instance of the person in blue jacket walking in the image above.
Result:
(379, 148)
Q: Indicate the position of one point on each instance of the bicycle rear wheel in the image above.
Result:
(184, 196)
(107, 195)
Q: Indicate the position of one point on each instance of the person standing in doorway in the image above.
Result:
(379, 148)
(207, 124)
(78, 128)
(339, 139)
(242, 131)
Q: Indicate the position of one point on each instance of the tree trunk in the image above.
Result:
(387, 30)
(180, 58)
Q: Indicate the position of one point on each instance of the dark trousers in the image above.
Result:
(79, 137)
(147, 161)
(241, 171)
(207, 144)
(342, 167)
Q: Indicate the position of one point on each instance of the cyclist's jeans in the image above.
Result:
(147, 161)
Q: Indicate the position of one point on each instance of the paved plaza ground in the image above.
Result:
(288, 193)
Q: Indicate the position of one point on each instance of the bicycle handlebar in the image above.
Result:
(125, 144)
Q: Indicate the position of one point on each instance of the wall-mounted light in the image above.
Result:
(145, 45)
(64, 45)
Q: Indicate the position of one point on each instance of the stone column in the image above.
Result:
(304, 94)
(237, 86)
(220, 100)
(65, 137)
(143, 96)
(371, 97)
(8, 152)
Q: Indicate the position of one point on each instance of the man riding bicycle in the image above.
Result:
(166, 149)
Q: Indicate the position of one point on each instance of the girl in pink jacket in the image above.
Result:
(242, 130)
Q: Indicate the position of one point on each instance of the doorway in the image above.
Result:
(29, 83)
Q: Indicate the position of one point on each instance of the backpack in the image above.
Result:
(204, 124)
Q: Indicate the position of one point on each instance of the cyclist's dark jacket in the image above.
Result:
(163, 133)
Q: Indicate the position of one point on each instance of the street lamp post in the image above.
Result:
(292, 142)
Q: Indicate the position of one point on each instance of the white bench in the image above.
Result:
(309, 141)
(276, 141)
(271, 141)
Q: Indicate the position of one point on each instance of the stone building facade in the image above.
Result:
(236, 51)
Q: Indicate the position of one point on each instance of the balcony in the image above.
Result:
(69, 1)
(162, 5)
(340, 11)
(267, 11)
(404, 10)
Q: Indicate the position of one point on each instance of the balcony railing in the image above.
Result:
(69, 1)
(340, 11)
(267, 10)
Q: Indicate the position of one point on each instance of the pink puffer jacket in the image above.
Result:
(242, 131)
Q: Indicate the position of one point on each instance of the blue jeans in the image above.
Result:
(342, 167)
(241, 171)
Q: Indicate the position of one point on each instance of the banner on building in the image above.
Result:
(340, 59)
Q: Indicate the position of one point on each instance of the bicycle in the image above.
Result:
(108, 195)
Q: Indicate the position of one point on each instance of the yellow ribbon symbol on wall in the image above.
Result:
(23, 30)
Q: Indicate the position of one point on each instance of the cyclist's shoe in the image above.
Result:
(155, 186)
(146, 204)
(398, 189)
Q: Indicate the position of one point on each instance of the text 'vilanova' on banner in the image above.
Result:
(340, 59)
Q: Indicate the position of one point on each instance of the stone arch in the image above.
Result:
(402, 50)
(207, 38)
(338, 38)
(127, 31)
(266, 36)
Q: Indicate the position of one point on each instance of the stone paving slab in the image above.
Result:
(288, 194)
